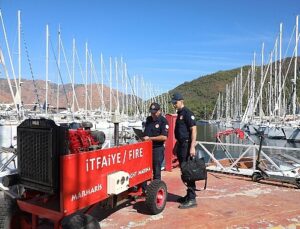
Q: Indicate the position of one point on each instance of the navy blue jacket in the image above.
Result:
(156, 128)
(185, 120)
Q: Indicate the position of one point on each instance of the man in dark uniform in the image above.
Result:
(185, 134)
(156, 130)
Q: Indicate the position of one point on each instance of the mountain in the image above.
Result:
(29, 97)
(201, 94)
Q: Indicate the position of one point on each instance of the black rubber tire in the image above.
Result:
(155, 188)
(8, 210)
(256, 177)
(80, 221)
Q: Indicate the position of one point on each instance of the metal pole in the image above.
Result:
(73, 76)
(86, 76)
(279, 71)
(102, 76)
(58, 64)
(47, 62)
(261, 81)
(115, 119)
(110, 85)
(19, 47)
(295, 70)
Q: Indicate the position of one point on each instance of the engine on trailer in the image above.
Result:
(41, 143)
(83, 139)
(63, 175)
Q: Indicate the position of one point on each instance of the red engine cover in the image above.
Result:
(80, 140)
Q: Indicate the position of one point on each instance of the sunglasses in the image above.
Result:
(174, 103)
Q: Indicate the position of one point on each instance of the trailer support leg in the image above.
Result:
(34, 221)
(57, 225)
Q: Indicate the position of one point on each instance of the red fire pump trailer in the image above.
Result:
(63, 174)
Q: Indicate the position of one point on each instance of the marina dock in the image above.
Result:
(228, 202)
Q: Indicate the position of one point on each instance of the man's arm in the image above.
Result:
(159, 138)
(193, 140)
(163, 133)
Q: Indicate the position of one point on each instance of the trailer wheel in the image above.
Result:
(8, 212)
(156, 196)
(256, 177)
(80, 221)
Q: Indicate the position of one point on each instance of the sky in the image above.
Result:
(167, 42)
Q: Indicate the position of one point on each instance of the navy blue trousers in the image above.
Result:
(158, 155)
(183, 153)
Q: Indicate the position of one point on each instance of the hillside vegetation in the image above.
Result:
(201, 94)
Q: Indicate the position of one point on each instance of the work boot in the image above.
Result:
(182, 199)
(188, 204)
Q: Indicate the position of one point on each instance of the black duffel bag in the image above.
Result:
(194, 169)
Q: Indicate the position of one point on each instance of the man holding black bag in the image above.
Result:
(185, 134)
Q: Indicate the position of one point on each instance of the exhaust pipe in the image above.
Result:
(116, 119)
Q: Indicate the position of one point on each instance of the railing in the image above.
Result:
(291, 168)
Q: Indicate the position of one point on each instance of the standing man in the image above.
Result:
(156, 130)
(185, 134)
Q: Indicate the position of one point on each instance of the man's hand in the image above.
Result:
(146, 138)
(193, 151)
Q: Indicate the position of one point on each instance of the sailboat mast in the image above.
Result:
(236, 97)
(117, 82)
(58, 64)
(137, 94)
(126, 89)
(134, 99)
(19, 50)
(279, 71)
(261, 81)
(47, 72)
(232, 99)
(110, 85)
(102, 76)
(17, 95)
(295, 69)
(227, 103)
(73, 76)
(253, 86)
(276, 79)
(218, 108)
(8, 79)
(122, 83)
(86, 77)
(91, 75)
(241, 92)
(271, 87)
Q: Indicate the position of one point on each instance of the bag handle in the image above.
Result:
(196, 189)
